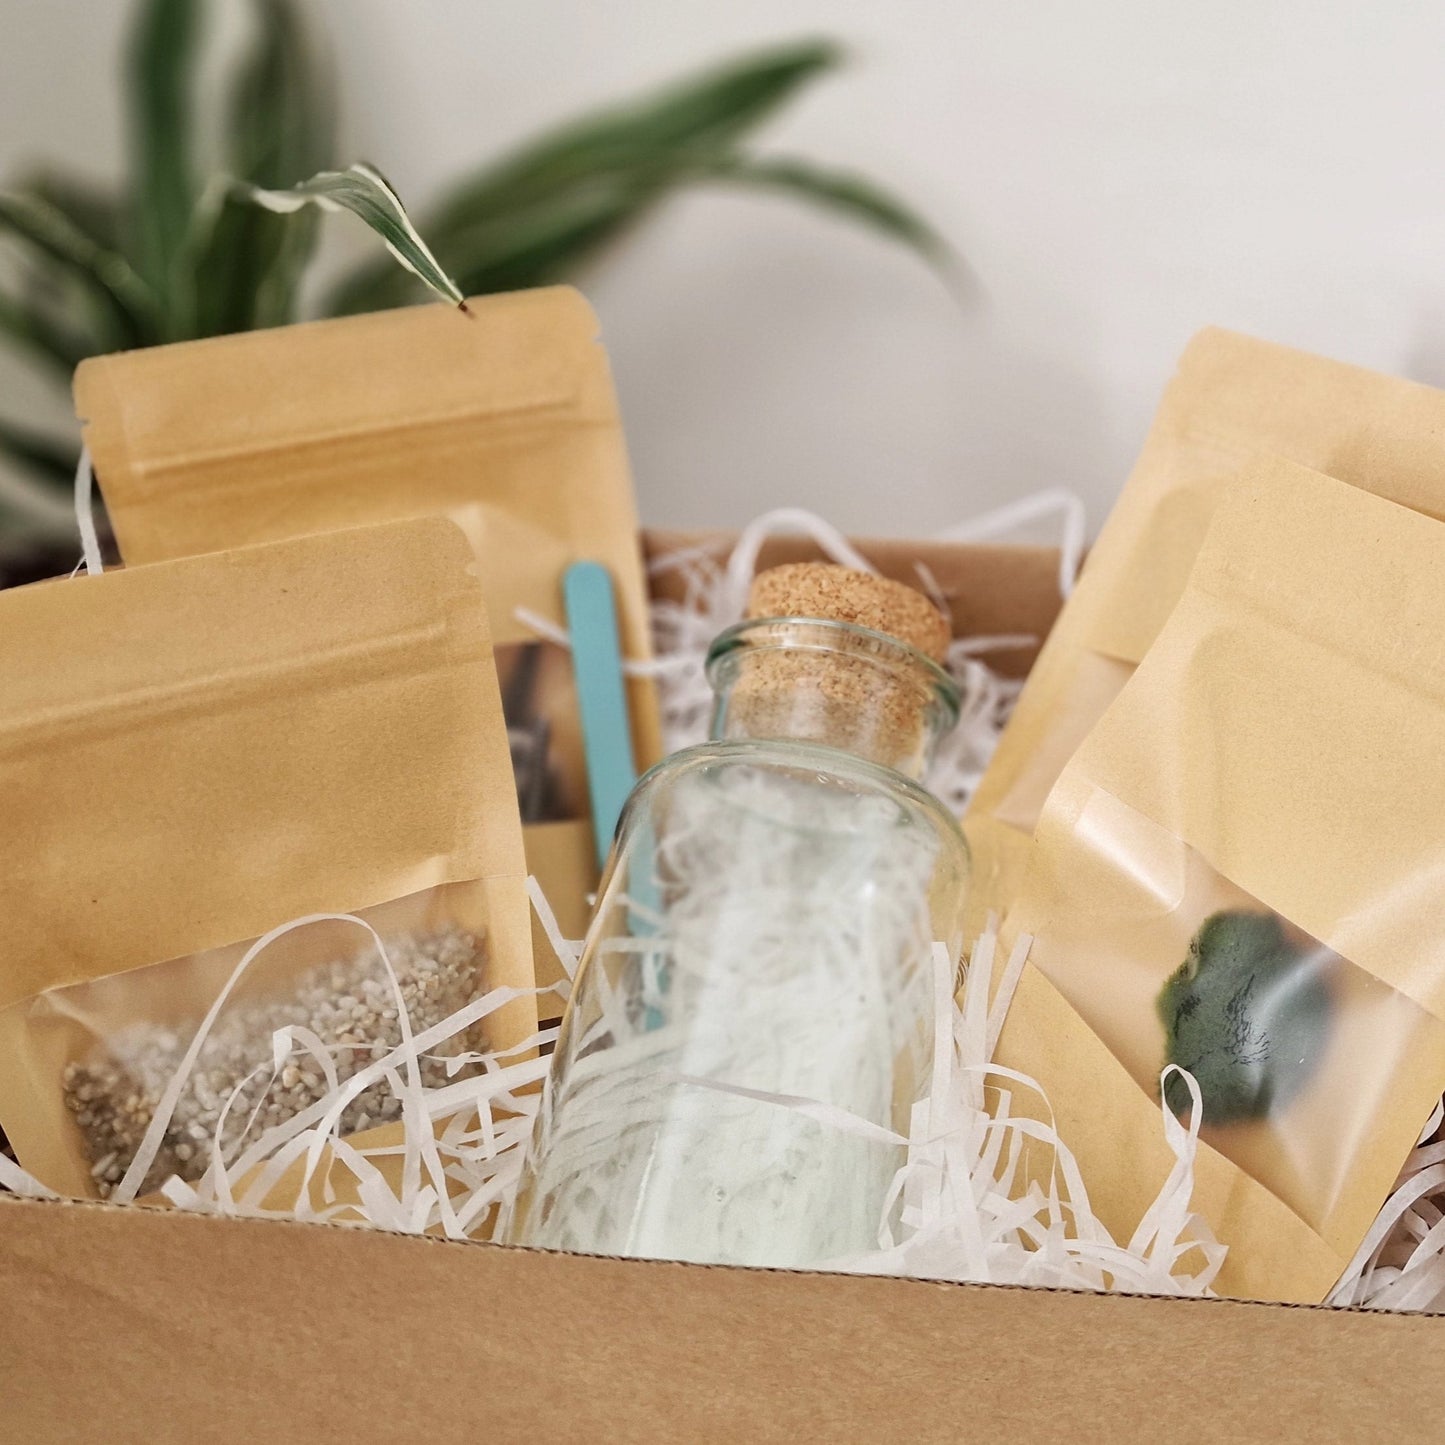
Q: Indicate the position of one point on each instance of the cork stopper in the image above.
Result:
(839, 594)
(792, 672)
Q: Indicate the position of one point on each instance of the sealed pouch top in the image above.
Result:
(197, 444)
(193, 752)
(265, 435)
(1235, 874)
(1233, 399)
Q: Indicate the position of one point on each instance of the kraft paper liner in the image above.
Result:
(1285, 726)
(196, 751)
(1233, 399)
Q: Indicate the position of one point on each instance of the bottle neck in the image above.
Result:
(831, 683)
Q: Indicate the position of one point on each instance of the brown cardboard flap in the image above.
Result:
(992, 590)
(149, 1325)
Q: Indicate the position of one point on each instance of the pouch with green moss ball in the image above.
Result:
(1246, 1013)
(1236, 873)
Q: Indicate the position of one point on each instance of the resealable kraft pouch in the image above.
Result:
(1232, 397)
(505, 419)
(197, 752)
(1239, 873)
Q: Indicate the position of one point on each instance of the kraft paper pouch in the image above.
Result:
(1232, 398)
(1239, 872)
(506, 420)
(196, 752)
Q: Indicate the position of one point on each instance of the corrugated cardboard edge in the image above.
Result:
(151, 1324)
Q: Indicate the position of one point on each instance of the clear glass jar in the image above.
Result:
(767, 926)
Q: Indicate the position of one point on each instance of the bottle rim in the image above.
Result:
(825, 635)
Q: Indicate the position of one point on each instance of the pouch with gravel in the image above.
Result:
(235, 1090)
(199, 754)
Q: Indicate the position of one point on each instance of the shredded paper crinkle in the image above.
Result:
(959, 1207)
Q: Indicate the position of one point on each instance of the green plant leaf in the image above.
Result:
(123, 305)
(160, 77)
(533, 246)
(608, 166)
(92, 209)
(704, 113)
(48, 313)
(280, 128)
(38, 453)
(364, 191)
(28, 326)
(850, 195)
(544, 243)
(549, 240)
(43, 456)
(33, 489)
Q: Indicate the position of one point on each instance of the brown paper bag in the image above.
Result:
(1232, 397)
(196, 752)
(505, 419)
(1235, 873)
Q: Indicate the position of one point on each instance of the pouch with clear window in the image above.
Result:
(1238, 873)
(196, 752)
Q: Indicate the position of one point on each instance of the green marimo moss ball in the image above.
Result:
(1246, 1013)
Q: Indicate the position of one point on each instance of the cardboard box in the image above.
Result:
(138, 1324)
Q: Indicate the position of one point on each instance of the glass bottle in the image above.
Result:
(766, 933)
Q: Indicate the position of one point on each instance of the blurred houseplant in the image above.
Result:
(175, 255)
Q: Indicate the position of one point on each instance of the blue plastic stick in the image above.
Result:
(597, 666)
(606, 735)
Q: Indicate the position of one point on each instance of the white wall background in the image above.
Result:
(1117, 173)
